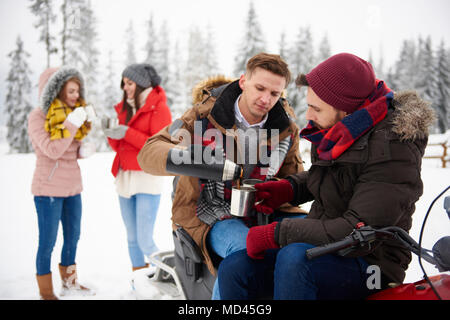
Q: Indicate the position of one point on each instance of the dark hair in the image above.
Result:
(126, 106)
(270, 62)
(301, 81)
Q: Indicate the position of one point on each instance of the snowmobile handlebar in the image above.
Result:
(363, 237)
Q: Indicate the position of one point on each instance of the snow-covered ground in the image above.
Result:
(102, 256)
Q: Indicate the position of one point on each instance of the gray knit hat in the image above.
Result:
(143, 74)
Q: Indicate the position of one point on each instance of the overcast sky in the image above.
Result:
(355, 26)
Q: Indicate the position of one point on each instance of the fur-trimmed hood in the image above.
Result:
(205, 86)
(412, 117)
(51, 82)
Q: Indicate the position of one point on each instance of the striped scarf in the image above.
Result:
(214, 201)
(56, 115)
(332, 142)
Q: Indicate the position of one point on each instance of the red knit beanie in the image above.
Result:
(343, 81)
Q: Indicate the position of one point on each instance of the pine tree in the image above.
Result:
(301, 60)
(71, 17)
(324, 49)
(162, 62)
(176, 86)
(152, 39)
(426, 83)
(17, 102)
(196, 67)
(443, 88)
(379, 68)
(282, 46)
(130, 53)
(43, 10)
(161, 55)
(370, 58)
(81, 52)
(110, 97)
(210, 52)
(405, 74)
(111, 92)
(252, 42)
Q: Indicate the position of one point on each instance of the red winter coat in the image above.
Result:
(147, 121)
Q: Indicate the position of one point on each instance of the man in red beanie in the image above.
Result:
(367, 146)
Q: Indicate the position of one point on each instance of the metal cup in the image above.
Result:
(251, 182)
(242, 201)
(111, 122)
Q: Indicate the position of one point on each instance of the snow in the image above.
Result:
(102, 257)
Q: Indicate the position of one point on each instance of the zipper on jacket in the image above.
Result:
(53, 171)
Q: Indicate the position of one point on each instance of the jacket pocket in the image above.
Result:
(345, 178)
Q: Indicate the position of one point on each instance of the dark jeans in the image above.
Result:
(287, 274)
(50, 211)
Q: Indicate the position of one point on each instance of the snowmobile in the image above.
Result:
(181, 273)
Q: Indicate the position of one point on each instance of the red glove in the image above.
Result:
(273, 194)
(259, 239)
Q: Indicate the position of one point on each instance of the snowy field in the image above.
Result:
(102, 256)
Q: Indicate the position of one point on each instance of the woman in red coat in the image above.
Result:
(142, 113)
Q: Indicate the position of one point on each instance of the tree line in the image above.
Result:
(419, 66)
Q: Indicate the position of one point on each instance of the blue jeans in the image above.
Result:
(139, 215)
(51, 210)
(229, 236)
(287, 274)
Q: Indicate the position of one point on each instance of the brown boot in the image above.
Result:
(69, 280)
(139, 268)
(46, 287)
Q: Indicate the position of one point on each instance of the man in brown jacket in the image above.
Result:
(223, 109)
(367, 147)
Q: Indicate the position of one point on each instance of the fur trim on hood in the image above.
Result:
(412, 117)
(51, 82)
(206, 85)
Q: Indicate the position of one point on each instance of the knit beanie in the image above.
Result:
(143, 74)
(344, 81)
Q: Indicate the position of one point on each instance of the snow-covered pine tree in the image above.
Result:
(110, 97)
(404, 75)
(212, 65)
(157, 49)
(17, 104)
(301, 60)
(43, 10)
(175, 85)
(324, 51)
(161, 55)
(379, 67)
(152, 39)
(195, 70)
(370, 58)
(130, 50)
(82, 52)
(282, 46)
(162, 61)
(426, 83)
(443, 86)
(251, 43)
(111, 92)
(71, 18)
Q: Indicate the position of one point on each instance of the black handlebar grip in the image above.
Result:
(330, 247)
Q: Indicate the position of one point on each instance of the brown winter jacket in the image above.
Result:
(376, 181)
(153, 156)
